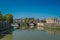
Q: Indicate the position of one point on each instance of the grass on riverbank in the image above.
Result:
(53, 28)
(57, 28)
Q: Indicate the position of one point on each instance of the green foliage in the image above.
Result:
(4, 18)
(29, 20)
(8, 17)
(43, 21)
(26, 20)
(1, 16)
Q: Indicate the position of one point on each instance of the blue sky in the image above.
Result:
(31, 8)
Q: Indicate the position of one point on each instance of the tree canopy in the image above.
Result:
(1, 16)
(29, 20)
(8, 17)
(43, 21)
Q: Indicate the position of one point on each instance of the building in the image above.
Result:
(58, 21)
(18, 20)
(39, 23)
(37, 20)
(52, 20)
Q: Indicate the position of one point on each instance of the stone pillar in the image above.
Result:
(1, 25)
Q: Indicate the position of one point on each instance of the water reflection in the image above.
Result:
(40, 28)
(34, 33)
(39, 33)
(52, 31)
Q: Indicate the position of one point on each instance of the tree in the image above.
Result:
(26, 20)
(1, 16)
(43, 21)
(31, 20)
(9, 18)
(4, 18)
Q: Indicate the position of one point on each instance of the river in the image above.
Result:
(33, 34)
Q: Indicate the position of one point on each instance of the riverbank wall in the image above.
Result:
(52, 25)
(4, 26)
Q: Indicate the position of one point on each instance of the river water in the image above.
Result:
(33, 34)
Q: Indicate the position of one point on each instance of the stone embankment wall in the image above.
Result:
(52, 25)
(4, 25)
